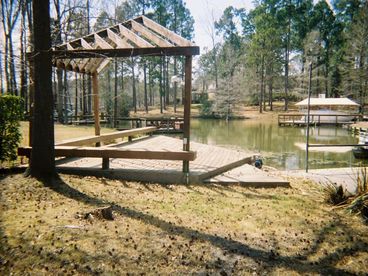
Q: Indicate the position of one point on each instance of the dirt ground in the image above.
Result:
(174, 229)
(248, 112)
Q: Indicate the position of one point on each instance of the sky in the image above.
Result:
(205, 12)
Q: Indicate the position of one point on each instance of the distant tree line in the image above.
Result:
(256, 56)
(126, 85)
(264, 53)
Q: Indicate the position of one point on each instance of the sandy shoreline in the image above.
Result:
(347, 177)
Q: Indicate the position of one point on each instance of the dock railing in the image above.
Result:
(300, 119)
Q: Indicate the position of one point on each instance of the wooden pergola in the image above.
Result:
(136, 37)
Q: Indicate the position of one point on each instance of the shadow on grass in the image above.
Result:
(298, 263)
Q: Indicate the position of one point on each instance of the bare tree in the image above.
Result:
(10, 10)
(42, 162)
(23, 67)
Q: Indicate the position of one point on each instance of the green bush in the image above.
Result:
(10, 115)
(206, 108)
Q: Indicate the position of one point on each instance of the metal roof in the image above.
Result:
(327, 102)
(140, 36)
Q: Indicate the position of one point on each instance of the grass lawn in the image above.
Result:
(63, 132)
(174, 229)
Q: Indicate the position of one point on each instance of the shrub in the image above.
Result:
(335, 195)
(10, 115)
(206, 108)
(356, 204)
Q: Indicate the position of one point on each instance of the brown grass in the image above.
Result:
(63, 132)
(174, 229)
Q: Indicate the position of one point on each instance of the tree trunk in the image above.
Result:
(60, 89)
(81, 100)
(167, 86)
(150, 84)
(163, 85)
(286, 68)
(23, 68)
(13, 77)
(59, 72)
(145, 86)
(262, 86)
(66, 98)
(161, 88)
(89, 79)
(286, 65)
(76, 97)
(6, 63)
(115, 93)
(133, 86)
(175, 85)
(42, 161)
(318, 89)
(108, 96)
(89, 94)
(270, 90)
(84, 96)
(1, 75)
(30, 48)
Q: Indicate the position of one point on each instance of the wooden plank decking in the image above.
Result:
(210, 161)
(249, 176)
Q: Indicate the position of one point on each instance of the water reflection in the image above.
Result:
(279, 146)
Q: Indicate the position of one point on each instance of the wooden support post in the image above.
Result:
(96, 103)
(105, 163)
(96, 114)
(187, 104)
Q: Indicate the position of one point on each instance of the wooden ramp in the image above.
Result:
(210, 161)
(250, 176)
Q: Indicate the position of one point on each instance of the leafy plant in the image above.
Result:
(335, 195)
(362, 181)
(10, 115)
(206, 107)
(356, 204)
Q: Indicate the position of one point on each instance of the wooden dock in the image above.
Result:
(358, 129)
(210, 161)
(249, 176)
(300, 119)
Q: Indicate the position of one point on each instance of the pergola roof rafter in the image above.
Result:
(136, 37)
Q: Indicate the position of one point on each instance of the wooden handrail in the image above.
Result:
(104, 152)
(105, 137)
(318, 114)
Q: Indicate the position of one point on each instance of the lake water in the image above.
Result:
(280, 147)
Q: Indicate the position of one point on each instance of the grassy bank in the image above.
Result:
(174, 229)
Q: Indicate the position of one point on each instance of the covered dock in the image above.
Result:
(323, 111)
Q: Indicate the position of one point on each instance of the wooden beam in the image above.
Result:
(106, 137)
(92, 64)
(153, 51)
(102, 65)
(177, 39)
(187, 105)
(73, 62)
(102, 43)
(120, 43)
(85, 44)
(150, 35)
(140, 42)
(104, 152)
